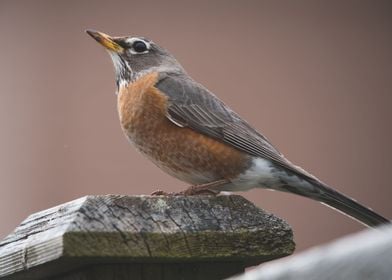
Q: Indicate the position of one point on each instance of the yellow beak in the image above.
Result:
(105, 40)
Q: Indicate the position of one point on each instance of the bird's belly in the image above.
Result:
(187, 155)
(179, 151)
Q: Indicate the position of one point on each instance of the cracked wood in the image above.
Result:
(143, 229)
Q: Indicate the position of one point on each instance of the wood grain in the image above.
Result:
(131, 232)
(362, 256)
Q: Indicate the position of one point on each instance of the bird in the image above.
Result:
(192, 135)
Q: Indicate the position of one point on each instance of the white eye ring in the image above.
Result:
(131, 41)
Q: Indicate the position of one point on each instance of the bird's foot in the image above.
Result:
(196, 190)
(161, 192)
(203, 189)
(192, 190)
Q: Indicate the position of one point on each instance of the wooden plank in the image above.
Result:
(361, 256)
(143, 229)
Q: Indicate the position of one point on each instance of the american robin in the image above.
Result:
(192, 135)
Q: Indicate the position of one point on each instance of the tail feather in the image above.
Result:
(344, 204)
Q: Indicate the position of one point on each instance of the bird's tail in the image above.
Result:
(330, 197)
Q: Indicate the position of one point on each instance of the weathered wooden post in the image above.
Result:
(144, 237)
(366, 255)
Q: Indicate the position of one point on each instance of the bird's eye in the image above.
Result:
(139, 46)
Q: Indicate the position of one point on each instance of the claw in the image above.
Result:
(194, 190)
(159, 192)
(204, 189)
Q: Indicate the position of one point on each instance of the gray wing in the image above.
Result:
(192, 105)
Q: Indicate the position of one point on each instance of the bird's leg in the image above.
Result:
(160, 192)
(207, 188)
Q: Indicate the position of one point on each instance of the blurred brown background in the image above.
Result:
(314, 76)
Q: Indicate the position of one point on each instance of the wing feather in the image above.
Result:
(192, 105)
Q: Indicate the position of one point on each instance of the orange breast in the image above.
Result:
(181, 152)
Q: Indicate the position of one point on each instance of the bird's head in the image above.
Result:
(135, 56)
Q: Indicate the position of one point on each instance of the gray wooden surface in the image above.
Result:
(363, 256)
(145, 236)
